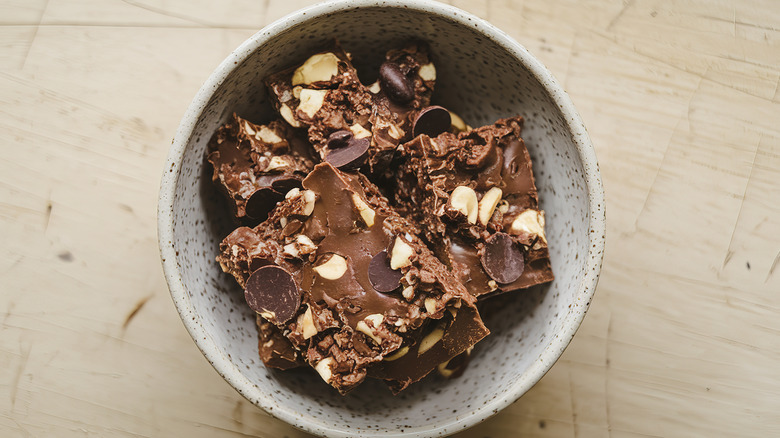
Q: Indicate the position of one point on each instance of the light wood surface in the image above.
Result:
(682, 101)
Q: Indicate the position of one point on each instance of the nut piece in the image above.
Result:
(310, 197)
(531, 222)
(443, 371)
(375, 319)
(431, 339)
(297, 92)
(306, 321)
(323, 367)
(427, 72)
(319, 67)
(430, 305)
(402, 253)
(277, 163)
(503, 206)
(302, 246)
(488, 203)
(292, 193)
(408, 293)
(333, 269)
(311, 101)
(248, 128)
(366, 212)
(464, 200)
(395, 132)
(401, 352)
(268, 135)
(287, 115)
(358, 131)
(375, 87)
(458, 123)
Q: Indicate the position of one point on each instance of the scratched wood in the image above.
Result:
(681, 99)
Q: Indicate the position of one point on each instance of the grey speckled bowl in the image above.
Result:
(483, 75)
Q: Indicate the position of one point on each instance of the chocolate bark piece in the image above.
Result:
(468, 187)
(247, 157)
(345, 326)
(275, 350)
(325, 96)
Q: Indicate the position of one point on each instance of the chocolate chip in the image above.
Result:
(292, 227)
(395, 84)
(262, 202)
(339, 139)
(502, 258)
(350, 157)
(432, 121)
(286, 183)
(272, 292)
(381, 276)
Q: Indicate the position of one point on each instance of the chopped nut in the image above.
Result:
(395, 132)
(358, 131)
(333, 269)
(430, 305)
(431, 339)
(323, 368)
(375, 87)
(268, 135)
(292, 193)
(457, 122)
(402, 253)
(488, 203)
(310, 197)
(287, 115)
(375, 319)
(366, 212)
(464, 200)
(319, 67)
(277, 163)
(311, 101)
(503, 206)
(248, 128)
(427, 72)
(492, 285)
(268, 315)
(297, 92)
(306, 321)
(401, 352)
(443, 371)
(531, 222)
(305, 245)
(408, 293)
(291, 249)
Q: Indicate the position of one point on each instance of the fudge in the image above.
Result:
(474, 194)
(372, 222)
(350, 285)
(255, 164)
(345, 118)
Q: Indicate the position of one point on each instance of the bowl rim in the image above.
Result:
(596, 216)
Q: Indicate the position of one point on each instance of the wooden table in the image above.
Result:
(682, 102)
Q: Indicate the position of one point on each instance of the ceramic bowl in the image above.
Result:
(483, 75)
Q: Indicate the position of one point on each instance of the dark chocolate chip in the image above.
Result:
(350, 157)
(502, 258)
(432, 121)
(286, 183)
(381, 276)
(262, 202)
(272, 292)
(395, 83)
(339, 139)
(257, 263)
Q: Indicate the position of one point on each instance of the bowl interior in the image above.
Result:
(482, 81)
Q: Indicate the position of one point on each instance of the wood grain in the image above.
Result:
(682, 101)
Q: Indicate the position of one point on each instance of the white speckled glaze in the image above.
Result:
(483, 75)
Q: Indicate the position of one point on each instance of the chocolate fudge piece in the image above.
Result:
(255, 164)
(360, 285)
(325, 95)
(475, 195)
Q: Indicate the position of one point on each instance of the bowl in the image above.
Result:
(483, 75)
